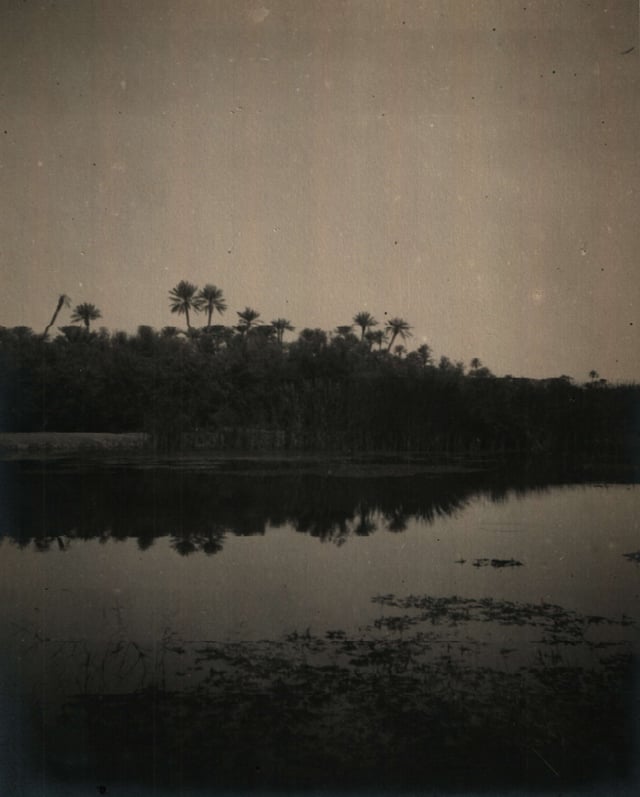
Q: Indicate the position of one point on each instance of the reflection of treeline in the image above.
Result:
(321, 391)
(197, 510)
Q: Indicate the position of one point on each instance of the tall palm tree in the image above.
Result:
(247, 318)
(183, 298)
(398, 327)
(85, 312)
(365, 321)
(210, 298)
(281, 325)
(63, 301)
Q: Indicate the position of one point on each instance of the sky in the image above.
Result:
(470, 166)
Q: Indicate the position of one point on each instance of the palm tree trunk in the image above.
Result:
(53, 317)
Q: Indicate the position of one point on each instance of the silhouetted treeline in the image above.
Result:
(246, 388)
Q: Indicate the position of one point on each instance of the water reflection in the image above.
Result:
(465, 657)
(51, 505)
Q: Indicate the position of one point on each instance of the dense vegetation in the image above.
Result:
(245, 386)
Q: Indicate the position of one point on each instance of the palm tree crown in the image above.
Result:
(398, 327)
(365, 321)
(424, 354)
(281, 325)
(246, 318)
(210, 298)
(377, 336)
(85, 312)
(182, 299)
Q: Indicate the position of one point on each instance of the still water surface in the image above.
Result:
(207, 624)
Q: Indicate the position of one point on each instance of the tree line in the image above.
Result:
(355, 388)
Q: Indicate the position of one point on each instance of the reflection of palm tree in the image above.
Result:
(365, 525)
(398, 327)
(365, 321)
(213, 540)
(63, 301)
(397, 520)
(86, 312)
(210, 298)
(183, 545)
(183, 298)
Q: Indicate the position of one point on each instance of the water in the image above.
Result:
(200, 624)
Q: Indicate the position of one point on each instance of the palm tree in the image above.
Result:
(183, 298)
(246, 319)
(377, 336)
(400, 351)
(475, 364)
(398, 327)
(281, 325)
(424, 354)
(63, 301)
(85, 312)
(365, 321)
(210, 298)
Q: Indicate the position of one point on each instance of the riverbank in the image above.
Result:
(71, 442)
(137, 448)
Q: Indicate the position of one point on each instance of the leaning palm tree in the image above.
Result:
(85, 312)
(365, 321)
(281, 325)
(63, 301)
(246, 319)
(210, 298)
(183, 298)
(398, 327)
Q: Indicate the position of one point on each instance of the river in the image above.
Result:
(198, 624)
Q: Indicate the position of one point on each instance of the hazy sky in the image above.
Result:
(473, 167)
